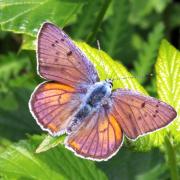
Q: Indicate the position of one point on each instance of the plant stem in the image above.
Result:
(99, 20)
(171, 155)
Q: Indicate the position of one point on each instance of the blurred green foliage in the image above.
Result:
(129, 31)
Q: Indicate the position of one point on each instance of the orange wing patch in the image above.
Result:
(53, 104)
(53, 85)
(116, 127)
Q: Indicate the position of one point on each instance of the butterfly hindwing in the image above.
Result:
(60, 60)
(139, 114)
(98, 138)
(53, 104)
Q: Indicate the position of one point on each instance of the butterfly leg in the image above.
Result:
(73, 126)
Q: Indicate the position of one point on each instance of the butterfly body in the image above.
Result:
(98, 95)
(73, 100)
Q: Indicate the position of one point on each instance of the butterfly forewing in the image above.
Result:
(140, 114)
(53, 105)
(60, 60)
(98, 137)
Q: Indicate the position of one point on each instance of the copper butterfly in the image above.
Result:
(74, 101)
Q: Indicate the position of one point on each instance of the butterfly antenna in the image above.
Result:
(131, 77)
(99, 48)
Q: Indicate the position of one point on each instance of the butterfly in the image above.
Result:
(74, 101)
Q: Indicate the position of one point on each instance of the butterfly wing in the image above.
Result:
(60, 60)
(53, 105)
(98, 138)
(140, 114)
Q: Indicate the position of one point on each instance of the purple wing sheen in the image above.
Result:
(61, 60)
(53, 105)
(98, 138)
(140, 114)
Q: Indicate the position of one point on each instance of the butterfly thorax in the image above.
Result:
(95, 98)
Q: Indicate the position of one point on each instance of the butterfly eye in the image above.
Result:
(110, 84)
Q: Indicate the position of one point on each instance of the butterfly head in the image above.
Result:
(109, 82)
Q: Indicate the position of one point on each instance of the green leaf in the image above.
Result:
(173, 12)
(4, 143)
(16, 122)
(141, 10)
(148, 53)
(28, 43)
(50, 142)
(11, 65)
(129, 165)
(83, 26)
(20, 161)
(170, 153)
(25, 16)
(8, 101)
(116, 36)
(168, 82)
(12, 74)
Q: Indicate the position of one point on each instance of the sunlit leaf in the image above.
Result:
(29, 43)
(168, 81)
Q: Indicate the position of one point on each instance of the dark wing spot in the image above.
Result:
(139, 118)
(157, 105)
(57, 41)
(130, 117)
(156, 111)
(62, 39)
(154, 115)
(69, 53)
(145, 115)
(143, 104)
(57, 53)
(56, 59)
